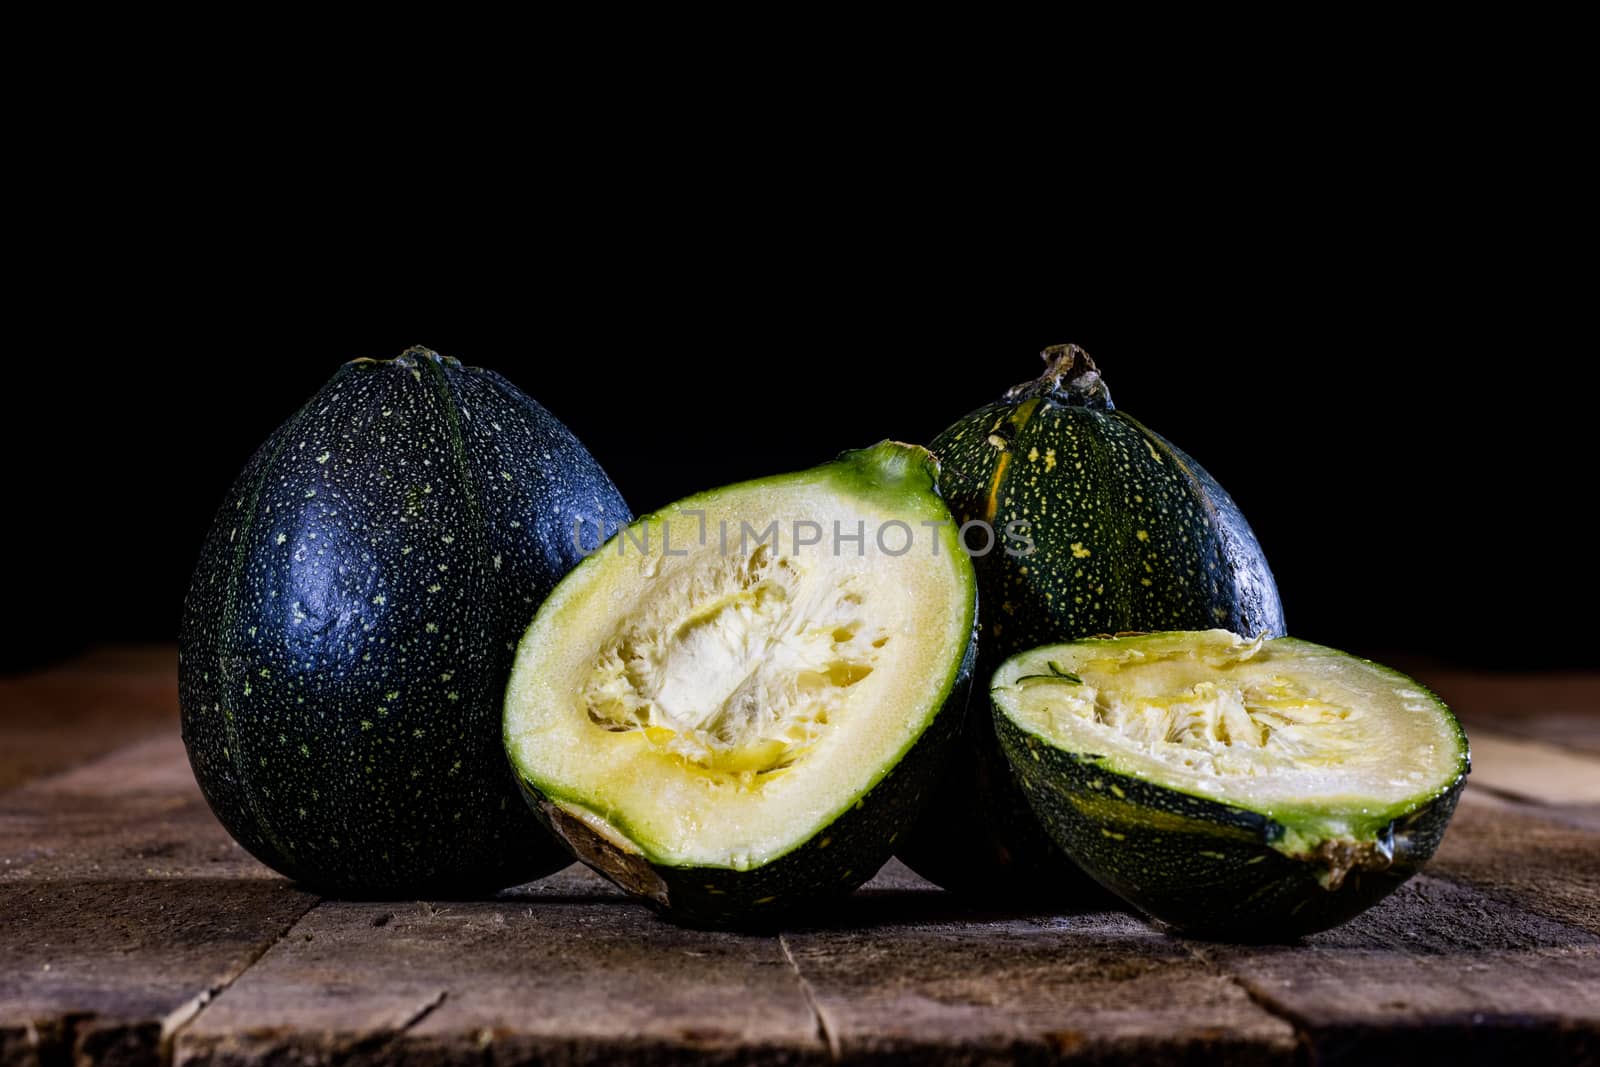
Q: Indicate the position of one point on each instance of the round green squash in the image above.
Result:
(350, 626)
(1100, 526)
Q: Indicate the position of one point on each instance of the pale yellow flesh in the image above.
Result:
(1263, 724)
(717, 708)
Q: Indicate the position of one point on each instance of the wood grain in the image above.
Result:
(588, 979)
(1437, 973)
(133, 931)
(103, 969)
(907, 977)
(1559, 708)
(136, 814)
(1523, 859)
(74, 712)
(125, 905)
(1534, 770)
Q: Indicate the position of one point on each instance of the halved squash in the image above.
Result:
(734, 706)
(1250, 788)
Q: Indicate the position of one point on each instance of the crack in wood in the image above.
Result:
(824, 1030)
(190, 1010)
(422, 1012)
(379, 1047)
(1302, 1030)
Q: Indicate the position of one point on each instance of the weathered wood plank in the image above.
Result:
(1494, 953)
(565, 971)
(906, 977)
(124, 907)
(79, 710)
(102, 968)
(539, 977)
(1438, 972)
(1524, 859)
(1560, 708)
(131, 815)
(1534, 770)
(124, 904)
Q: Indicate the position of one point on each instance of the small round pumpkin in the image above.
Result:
(1100, 526)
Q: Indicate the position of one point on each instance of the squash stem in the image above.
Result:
(1070, 377)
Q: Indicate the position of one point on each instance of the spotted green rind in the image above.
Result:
(1128, 534)
(1210, 869)
(349, 628)
(851, 846)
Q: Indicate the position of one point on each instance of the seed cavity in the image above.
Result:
(737, 664)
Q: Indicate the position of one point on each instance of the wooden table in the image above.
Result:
(132, 930)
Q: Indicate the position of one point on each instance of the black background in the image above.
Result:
(1390, 422)
(1366, 315)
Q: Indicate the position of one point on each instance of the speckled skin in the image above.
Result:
(350, 625)
(1129, 534)
(1206, 868)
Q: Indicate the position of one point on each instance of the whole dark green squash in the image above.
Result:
(349, 629)
(1127, 534)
